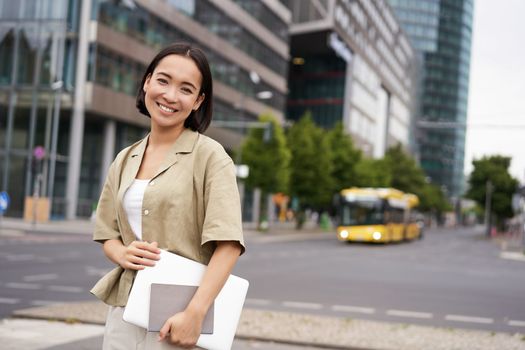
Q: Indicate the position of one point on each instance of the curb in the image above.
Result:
(318, 331)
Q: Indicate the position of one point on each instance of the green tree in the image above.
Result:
(406, 174)
(268, 158)
(399, 170)
(373, 173)
(345, 157)
(311, 166)
(432, 199)
(496, 170)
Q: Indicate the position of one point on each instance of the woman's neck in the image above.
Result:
(160, 138)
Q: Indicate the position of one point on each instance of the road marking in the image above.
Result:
(43, 277)
(95, 271)
(20, 257)
(9, 301)
(512, 256)
(71, 255)
(258, 302)
(298, 305)
(22, 285)
(517, 323)
(411, 314)
(68, 289)
(461, 318)
(357, 309)
(43, 302)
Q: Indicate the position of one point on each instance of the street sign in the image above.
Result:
(4, 201)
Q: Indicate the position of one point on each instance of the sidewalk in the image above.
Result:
(303, 330)
(15, 226)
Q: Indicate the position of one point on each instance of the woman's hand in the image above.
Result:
(182, 329)
(138, 255)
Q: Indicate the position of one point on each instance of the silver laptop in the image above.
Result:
(168, 299)
(175, 269)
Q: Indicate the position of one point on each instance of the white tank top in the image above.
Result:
(133, 205)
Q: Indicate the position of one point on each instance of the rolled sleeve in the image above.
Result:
(106, 224)
(222, 221)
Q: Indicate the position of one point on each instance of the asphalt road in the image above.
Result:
(451, 278)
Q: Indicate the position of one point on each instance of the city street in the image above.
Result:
(451, 278)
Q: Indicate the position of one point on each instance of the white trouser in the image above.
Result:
(120, 335)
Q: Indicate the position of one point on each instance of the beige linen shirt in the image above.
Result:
(191, 202)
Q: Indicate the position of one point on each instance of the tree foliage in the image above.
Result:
(311, 178)
(345, 157)
(268, 160)
(431, 198)
(494, 169)
(312, 165)
(406, 174)
(373, 173)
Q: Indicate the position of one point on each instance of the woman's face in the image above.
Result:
(172, 91)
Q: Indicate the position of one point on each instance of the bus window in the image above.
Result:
(362, 213)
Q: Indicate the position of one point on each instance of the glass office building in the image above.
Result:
(70, 69)
(441, 31)
(352, 63)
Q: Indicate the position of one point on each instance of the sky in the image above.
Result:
(496, 110)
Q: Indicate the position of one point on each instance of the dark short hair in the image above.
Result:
(200, 119)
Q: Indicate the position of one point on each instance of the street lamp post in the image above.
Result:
(260, 95)
(488, 204)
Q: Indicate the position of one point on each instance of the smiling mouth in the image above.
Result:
(166, 109)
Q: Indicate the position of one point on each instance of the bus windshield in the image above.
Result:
(362, 213)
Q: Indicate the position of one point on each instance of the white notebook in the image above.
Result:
(175, 269)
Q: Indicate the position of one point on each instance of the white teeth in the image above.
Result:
(166, 109)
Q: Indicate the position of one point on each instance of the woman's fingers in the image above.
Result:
(144, 254)
(164, 331)
(131, 266)
(154, 247)
(138, 255)
(141, 260)
(151, 248)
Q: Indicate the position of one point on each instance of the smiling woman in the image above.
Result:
(170, 92)
(179, 72)
(176, 190)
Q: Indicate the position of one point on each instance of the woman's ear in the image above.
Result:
(146, 83)
(199, 101)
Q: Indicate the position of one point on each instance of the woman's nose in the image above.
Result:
(170, 94)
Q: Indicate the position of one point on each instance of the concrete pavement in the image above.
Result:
(81, 323)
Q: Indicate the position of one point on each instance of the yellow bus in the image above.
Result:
(379, 215)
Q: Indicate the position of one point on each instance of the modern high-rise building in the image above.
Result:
(70, 69)
(352, 63)
(441, 31)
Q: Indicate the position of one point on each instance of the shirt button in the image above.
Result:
(146, 212)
